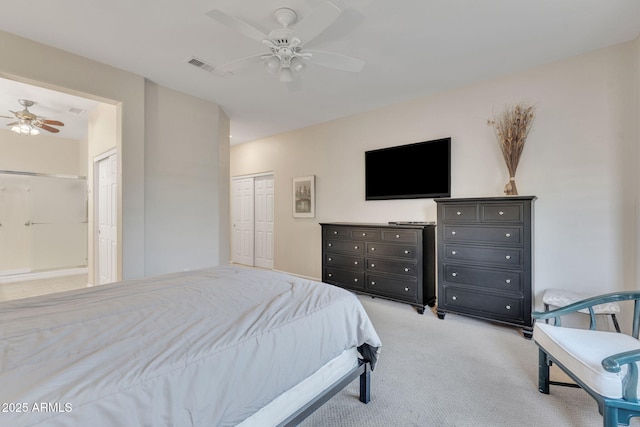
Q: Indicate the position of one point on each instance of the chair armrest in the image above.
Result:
(587, 303)
(614, 363)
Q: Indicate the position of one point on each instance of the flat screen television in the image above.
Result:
(412, 171)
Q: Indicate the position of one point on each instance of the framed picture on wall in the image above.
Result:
(304, 197)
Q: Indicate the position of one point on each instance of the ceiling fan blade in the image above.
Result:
(232, 66)
(7, 117)
(242, 27)
(52, 122)
(46, 127)
(13, 123)
(335, 60)
(317, 21)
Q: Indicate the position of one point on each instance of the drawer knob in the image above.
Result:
(406, 289)
(454, 274)
(454, 252)
(458, 213)
(406, 252)
(373, 283)
(329, 259)
(355, 247)
(355, 280)
(335, 232)
(397, 236)
(355, 262)
(508, 281)
(364, 234)
(373, 249)
(501, 213)
(330, 244)
(406, 269)
(508, 307)
(508, 257)
(372, 265)
(508, 235)
(454, 298)
(453, 233)
(330, 274)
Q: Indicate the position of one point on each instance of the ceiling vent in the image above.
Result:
(76, 111)
(204, 66)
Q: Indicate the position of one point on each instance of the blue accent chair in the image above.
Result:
(603, 363)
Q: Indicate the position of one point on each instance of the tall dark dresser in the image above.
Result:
(395, 262)
(485, 256)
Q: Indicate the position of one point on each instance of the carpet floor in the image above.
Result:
(454, 372)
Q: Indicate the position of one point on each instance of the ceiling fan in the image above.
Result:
(286, 56)
(28, 122)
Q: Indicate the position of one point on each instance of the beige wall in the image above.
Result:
(41, 65)
(580, 160)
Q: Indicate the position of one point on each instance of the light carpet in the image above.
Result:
(453, 372)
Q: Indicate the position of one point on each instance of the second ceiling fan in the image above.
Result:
(286, 56)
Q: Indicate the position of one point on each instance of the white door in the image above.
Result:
(243, 226)
(264, 221)
(107, 210)
(14, 224)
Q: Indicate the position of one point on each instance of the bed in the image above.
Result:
(215, 347)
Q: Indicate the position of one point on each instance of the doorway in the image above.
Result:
(253, 220)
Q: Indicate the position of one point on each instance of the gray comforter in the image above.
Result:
(202, 348)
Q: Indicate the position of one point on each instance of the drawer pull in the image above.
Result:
(406, 252)
(501, 213)
(335, 232)
(355, 262)
(508, 257)
(329, 259)
(454, 252)
(455, 298)
(397, 236)
(406, 269)
(373, 249)
(458, 213)
(356, 247)
(330, 244)
(508, 281)
(364, 234)
(330, 274)
(453, 233)
(373, 283)
(508, 235)
(454, 274)
(508, 307)
(406, 289)
(372, 265)
(355, 280)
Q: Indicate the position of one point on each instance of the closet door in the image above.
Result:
(243, 225)
(264, 221)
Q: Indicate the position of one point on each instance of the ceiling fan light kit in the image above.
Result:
(28, 123)
(287, 57)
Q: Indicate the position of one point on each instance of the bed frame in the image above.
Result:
(363, 370)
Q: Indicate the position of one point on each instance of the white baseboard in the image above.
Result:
(42, 275)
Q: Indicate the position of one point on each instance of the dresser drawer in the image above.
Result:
(507, 212)
(365, 234)
(460, 213)
(387, 249)
(404, 289)
(507, 257)
(337, 233)
(480, 277)
(346, 246)
(482, 304)
(400, 236)
(351, 279)
(338, 260)
(499, 235)
(405, 268)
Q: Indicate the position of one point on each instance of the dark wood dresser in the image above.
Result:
(485, 259)
(396, 262)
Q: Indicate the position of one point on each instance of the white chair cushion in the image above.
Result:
(582, 351)
(562, 297)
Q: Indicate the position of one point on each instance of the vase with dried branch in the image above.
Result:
(512, 128)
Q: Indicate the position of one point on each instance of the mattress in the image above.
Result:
(201, 348)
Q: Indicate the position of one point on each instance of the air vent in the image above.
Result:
(201, 64)
(76, 111)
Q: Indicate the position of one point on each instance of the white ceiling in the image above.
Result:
(412, 48)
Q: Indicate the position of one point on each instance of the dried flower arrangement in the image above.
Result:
(512, 128)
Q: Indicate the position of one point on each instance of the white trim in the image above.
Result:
(254, 175)
(105, 155)
(43, 275)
